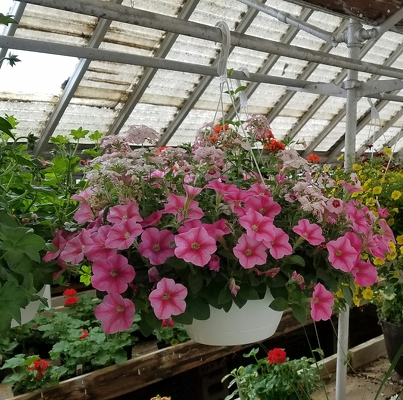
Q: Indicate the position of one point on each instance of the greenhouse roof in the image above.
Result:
(107, 65)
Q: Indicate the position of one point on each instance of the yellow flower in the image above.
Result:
(377, 190)
(368, 293)
(357, 167)
(399, 239)
(370, 202)
(367, 182)
(378, 261)
(395, 210)
(401, 249)
(390, 221)
(392, 247)
(356, 301)
(391, 256)
(364, 256)
(396, 195)
(396, 273)
(387, 151)
(339, 293)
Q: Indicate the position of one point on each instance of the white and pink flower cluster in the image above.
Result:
(232, 230)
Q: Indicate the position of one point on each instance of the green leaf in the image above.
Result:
(239, 301)
(296, 259)
(225, 296)
(120, 356)
(248, 293)
(96, 135)
(59, 139)
(195, 282)
(12, 299)
(279, 304)
(299, 312)
(7, 19)
(79, 133)
(5, 126)
(348, 296)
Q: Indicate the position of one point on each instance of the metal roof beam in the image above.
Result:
(133, 16)
(72, 85)
(149, 73)
(16, 11)
(381, 131)
(365, 119)
(283, 101)
(269, 63)
(204, 82)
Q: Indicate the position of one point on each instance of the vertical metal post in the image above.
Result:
(351, 84)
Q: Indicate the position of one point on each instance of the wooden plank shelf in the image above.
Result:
(145, 369)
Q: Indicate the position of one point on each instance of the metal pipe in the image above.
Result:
(354, 46)
(130, 15)
(390, 22)
(290, 20)
(144, 61)
(16, 11)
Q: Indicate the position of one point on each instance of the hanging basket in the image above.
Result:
(254, 322)
(393, 334)
(29, 312)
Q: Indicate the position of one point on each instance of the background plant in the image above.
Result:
(275, 377)
(30, 373)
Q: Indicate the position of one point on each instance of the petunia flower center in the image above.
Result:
(336, 203)
(166, 296)
(113, 272)
(119, 309)
(195, 246)
(262, 211)
(248, 252)
(156, 247)
(255, 228)
(127, 235)
(338, 252)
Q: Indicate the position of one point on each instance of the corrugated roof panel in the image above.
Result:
(188, 129)
(282, 125)
(53, 25)
(266, 95)
(330, 140)
(90, 118)
(309, 132)
(299, 104)
(156, 117)
(375, 124)
(159, 6)
(31, 115)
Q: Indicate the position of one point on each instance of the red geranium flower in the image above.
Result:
(70, 301)
(69, 292)
(276, 356)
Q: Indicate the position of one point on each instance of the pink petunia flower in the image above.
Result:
(250, 252)
(151, 220)
(83, 195)
(113, 274)
(321, 303)
(156, 245)
(257, 226)
(265, 205)
(122, 235)
(365, 273)
(99, 249)
(118, 214)
(84, 213)
(59, 242)
(177, 205)
(195, 246)
(115, 313)
(334, 205)
(312, 233)
(214, 263)
(191, 192)
(76, 248)
(233, 287)
(168, 298)
(278, 243)
(342, 255)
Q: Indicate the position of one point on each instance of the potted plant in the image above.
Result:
(182, 232)
(379, 178)
(275, 377)
(30, 373)
(35, 198)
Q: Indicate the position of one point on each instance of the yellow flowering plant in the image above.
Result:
(379, 178)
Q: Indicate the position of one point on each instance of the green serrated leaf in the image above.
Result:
(79, 133)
